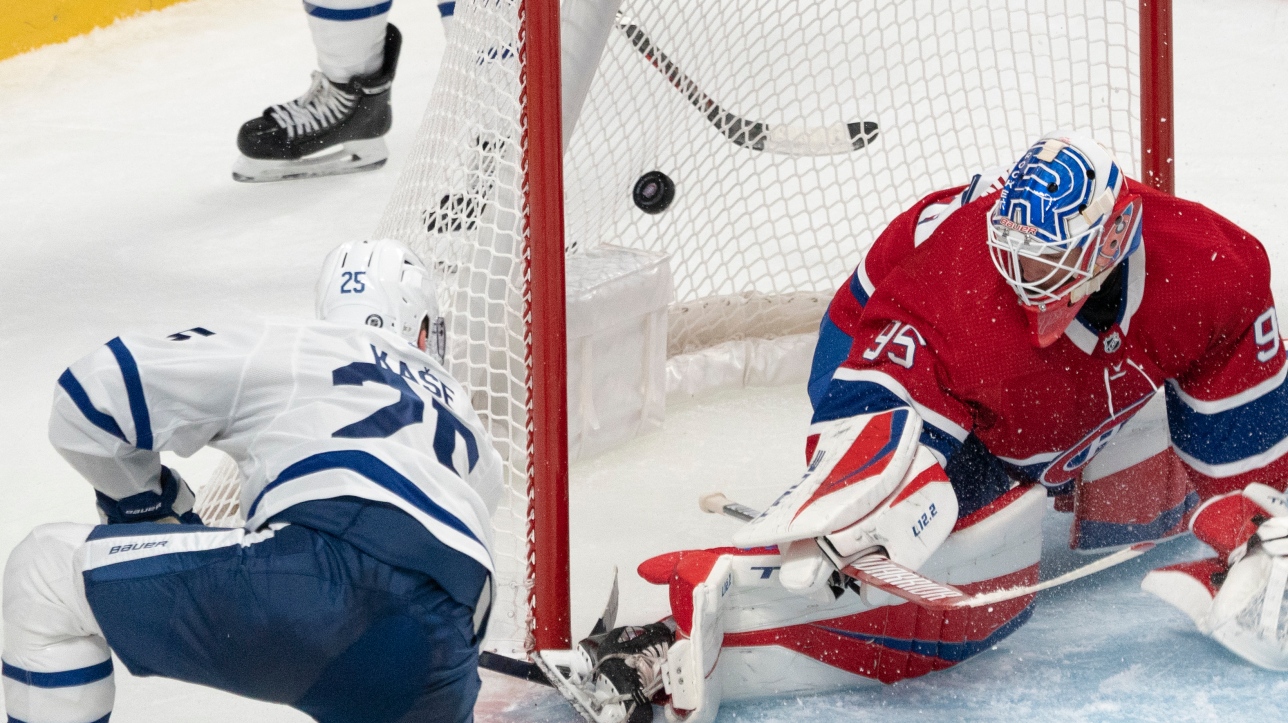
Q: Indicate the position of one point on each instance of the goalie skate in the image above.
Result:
(612, 673)
(612, 676)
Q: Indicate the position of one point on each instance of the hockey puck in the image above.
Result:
(654, 192)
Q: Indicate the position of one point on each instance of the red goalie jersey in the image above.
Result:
(1165, 390)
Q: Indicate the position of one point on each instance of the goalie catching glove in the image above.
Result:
(1238, 597)
(871, 487)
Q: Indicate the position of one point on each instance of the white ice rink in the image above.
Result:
(117, 213)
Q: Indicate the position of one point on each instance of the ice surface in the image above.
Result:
(117, 212)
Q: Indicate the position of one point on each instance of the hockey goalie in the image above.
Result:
(1053, 330)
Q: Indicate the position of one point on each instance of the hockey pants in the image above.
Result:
(287, 615)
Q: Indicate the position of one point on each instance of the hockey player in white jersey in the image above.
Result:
(360, 585)
(338, 125)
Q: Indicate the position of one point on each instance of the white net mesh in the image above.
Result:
(693, 89)
(218, 501)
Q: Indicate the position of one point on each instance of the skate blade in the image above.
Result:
(348, 157)
(555, 664)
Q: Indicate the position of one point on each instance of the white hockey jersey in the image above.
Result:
(309, 410)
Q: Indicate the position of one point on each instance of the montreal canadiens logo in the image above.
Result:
(1065, 468)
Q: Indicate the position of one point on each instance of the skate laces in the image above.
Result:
(649, 663)
(322, 105)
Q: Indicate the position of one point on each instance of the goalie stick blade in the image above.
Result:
(755, 135)
(505, 665)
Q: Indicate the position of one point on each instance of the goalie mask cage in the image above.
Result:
(794, 131)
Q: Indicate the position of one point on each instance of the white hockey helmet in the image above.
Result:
(381, 283)
(1063, 221)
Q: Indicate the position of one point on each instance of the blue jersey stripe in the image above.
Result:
(105, 422)
(832, 350)
(857, 290)
(447, 10)
(1122, 298)
(373, 469)
(134, 391)
(939, 440)
(61, 679)
(847, 398)
(1233, 434)
(372, 11)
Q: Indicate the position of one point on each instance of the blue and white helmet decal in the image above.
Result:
(1046, 229)
(1049, 191)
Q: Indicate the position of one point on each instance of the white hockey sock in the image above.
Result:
(77, 695)
(349, 36)
(447, 11)
(57, 666)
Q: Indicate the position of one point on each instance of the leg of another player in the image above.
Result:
(57, 666)
(287, 614)
(349, 36)
(338, 125)
(447, 11)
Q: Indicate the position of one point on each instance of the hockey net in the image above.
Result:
(794, 130)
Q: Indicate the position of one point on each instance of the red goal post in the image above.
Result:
(793, 131)
(550, 600)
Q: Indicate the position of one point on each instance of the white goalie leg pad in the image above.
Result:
(57, 666)
(1187, 586)
(857, 463)
(1250, 615)
(690, 673)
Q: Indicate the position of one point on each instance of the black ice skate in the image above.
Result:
(627, 664)
(331, 129)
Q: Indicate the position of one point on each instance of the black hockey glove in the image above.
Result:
(174, 504)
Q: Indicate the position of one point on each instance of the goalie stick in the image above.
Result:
(512, 667)
(880, 572)
(758, 136)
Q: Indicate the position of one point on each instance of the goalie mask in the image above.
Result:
(385, 285)
(1062, 223)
